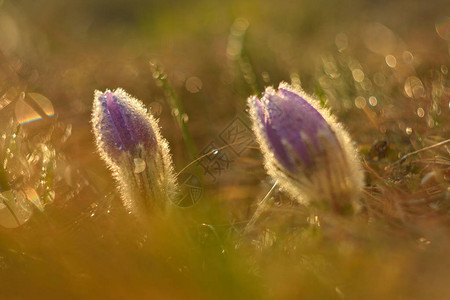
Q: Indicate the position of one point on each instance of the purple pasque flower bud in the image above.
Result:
(129, 141)
(121, 124)
(305, 149)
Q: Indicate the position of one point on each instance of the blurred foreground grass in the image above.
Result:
(382, 68)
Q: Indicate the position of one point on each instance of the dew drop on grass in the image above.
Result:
(156, 108)
(139, 165)
(379, 38)
(379, 79)
(175, 112)
(423, 241)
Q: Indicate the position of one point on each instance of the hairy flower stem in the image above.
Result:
(129, 141)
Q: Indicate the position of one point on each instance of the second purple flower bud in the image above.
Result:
(305, 149)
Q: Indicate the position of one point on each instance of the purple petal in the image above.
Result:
(116, 113)
(295, 126)
(123, 124)
(105, 128)
(272, 137)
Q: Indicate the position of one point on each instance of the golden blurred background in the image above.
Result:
(380, 66)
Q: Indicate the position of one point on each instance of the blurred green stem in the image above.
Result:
(237, 54)
(177, 111)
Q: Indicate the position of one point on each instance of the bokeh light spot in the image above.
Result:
(358, 75)
(391, 61)
(408, 130)
(414, 87)
(408, 57)
(9, 34)
(360, 102)
(194, 84)
(443, 28)
(341, 41)
(379, 39)
(420, 112)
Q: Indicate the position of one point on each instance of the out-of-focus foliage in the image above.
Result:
(380, 66)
